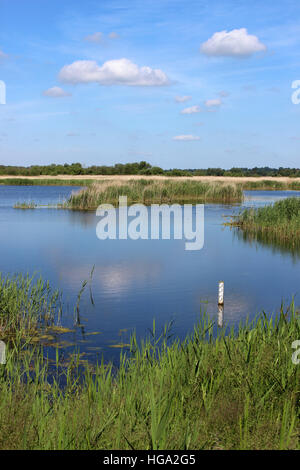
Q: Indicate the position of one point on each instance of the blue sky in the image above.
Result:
(179, 83)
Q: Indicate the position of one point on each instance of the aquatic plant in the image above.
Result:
(278, 223)
(236, 390)
(148, 191)
(25, 205)
(26, 306)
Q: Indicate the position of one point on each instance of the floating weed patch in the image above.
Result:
(60, 329)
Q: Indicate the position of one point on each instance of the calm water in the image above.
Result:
(137, 281)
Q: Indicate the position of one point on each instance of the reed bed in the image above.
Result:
(25, 205)
(278, 223)
(270, 185)
(238, 390)
(26, 306)
(147, 191)
(43, 182)
(245, 183)
(270, 241)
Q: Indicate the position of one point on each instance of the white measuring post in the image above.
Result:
(221, 293)
(220, 316)
(2, 352)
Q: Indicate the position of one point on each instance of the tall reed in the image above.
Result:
(236, 390)
(25, 305)
(154, 191)
(277, 222)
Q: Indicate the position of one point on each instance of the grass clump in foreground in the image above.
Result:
(147, 191)
(278, 223)
(26, 308)
(239, 391)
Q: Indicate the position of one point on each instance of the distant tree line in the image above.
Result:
(140, 168)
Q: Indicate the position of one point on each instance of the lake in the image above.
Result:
(136, 281)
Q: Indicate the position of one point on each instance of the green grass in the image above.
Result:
(26, 307)
(25, 205)
(153, 191)
(43, 182)
(279, 222)
(270, 185)
(239, 391)
(261, 184)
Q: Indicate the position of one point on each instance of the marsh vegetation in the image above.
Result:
(238, 390)
(148, 191)
(278, 223)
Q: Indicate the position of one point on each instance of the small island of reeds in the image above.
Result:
(278, 222)
(146, 191)
(25, 205)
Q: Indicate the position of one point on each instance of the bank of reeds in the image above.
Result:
(279, 222)
(146, 191)
(233, 391)
(244, 183)
(43, 182)
(270, 185)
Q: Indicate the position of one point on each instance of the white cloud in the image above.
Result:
(191, 110)
(2, 55)
(235, 43)
(56, 92)
(96, 37)
(182, 99)
(112, 72)
(213, 103)
(186, 137)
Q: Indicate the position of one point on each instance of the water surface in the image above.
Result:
(137, 281)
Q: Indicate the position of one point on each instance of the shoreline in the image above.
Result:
(227, 179)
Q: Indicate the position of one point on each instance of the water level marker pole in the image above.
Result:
(221, 293)
(2, 352)
(221, 304)
(220, 316)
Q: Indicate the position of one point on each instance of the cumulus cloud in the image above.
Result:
(112, 72)
(182, 99)
(213, 103)
(56, 92)
(191, 110)
(96, 37)
(235, 43)
(186, 137)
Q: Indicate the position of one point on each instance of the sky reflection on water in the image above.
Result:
(136, 281)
